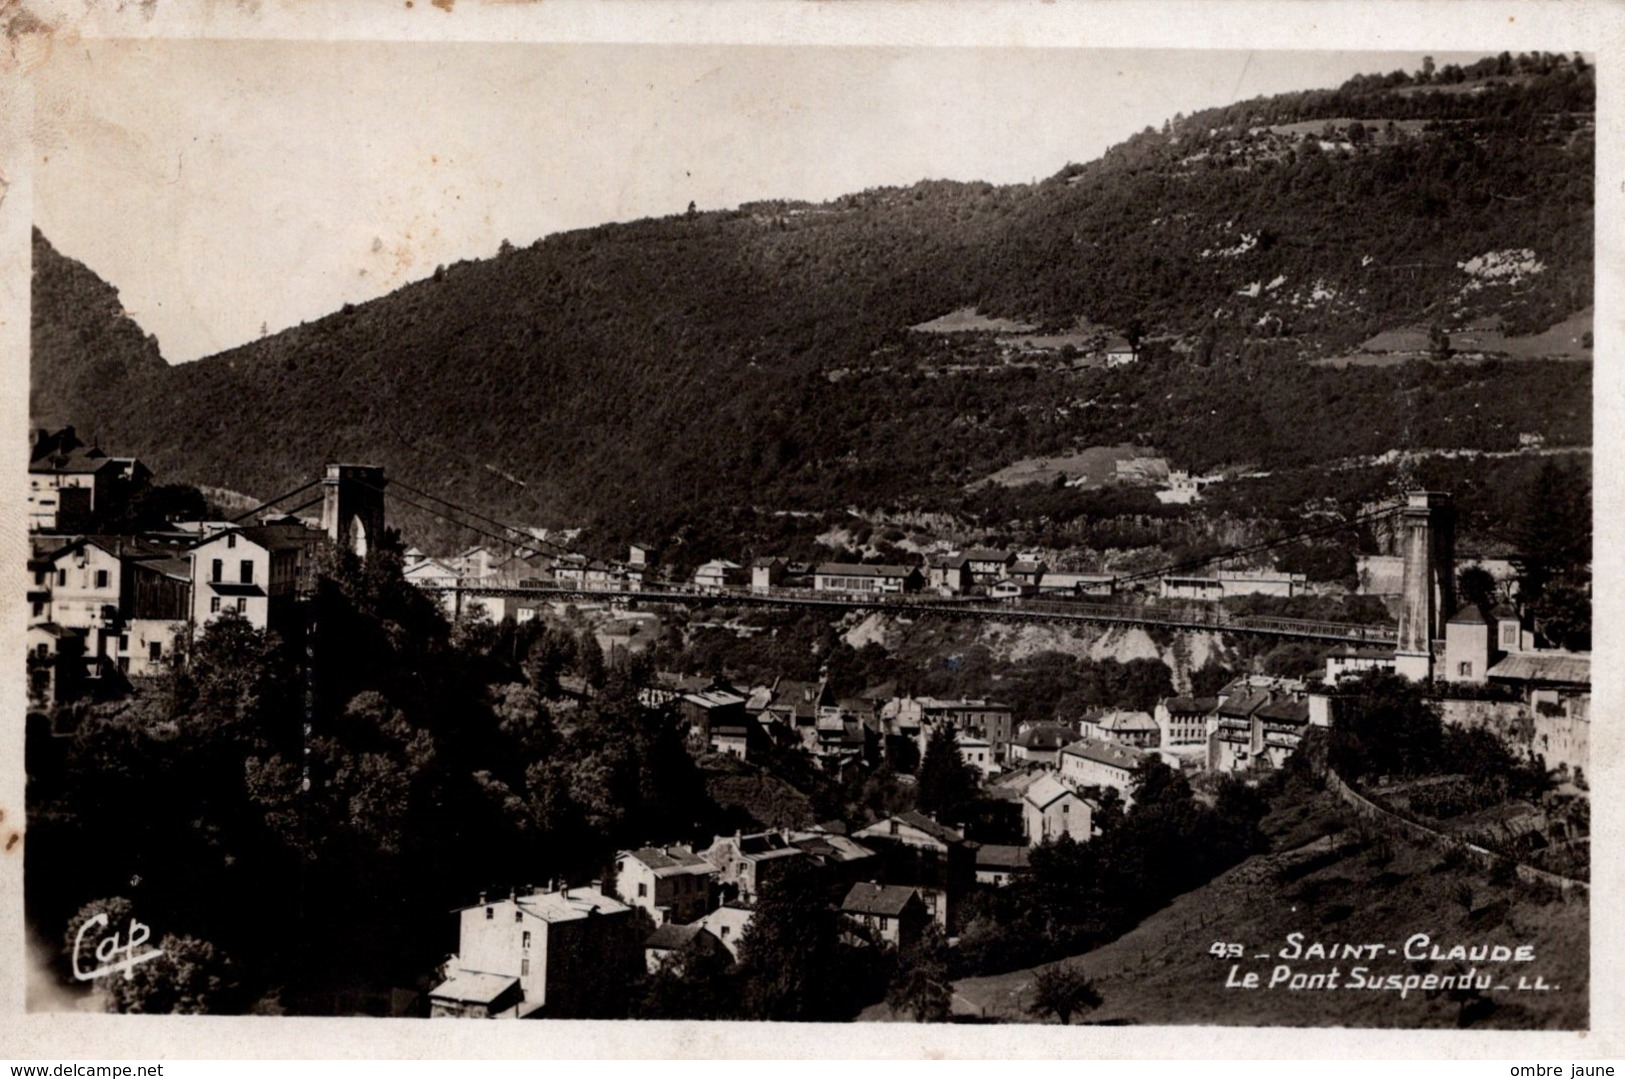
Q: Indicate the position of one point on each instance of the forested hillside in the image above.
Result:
(651, 378)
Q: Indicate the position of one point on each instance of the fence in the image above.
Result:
(1365, 807)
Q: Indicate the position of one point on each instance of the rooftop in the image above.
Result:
(1567, 668)
(1191, 706)
(1243, 704)
(1046, 736)
(871, 898)
(1294, 712)
(1120, 721)
(1118, 756)
(856, 569)
(1047, 791)
(1002, 856)
(473, 987)
(671, 861)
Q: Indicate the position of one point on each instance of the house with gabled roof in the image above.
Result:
(1090, 762)
(987, 566)
(924, 854)
(1040, 743)
(851, 577)
(672, 883)
(893, 913)
(1131, 728)
(1051, 809)
(748, 862)
(669, 942)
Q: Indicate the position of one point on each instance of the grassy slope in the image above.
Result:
(1161, 972)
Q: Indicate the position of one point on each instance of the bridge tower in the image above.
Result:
(1427, 538)
(353, 506)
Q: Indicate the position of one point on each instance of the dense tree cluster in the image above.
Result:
(314, 787)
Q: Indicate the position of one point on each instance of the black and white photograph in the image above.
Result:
(840, 533)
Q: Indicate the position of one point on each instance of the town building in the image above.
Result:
(855, 577)
(1237, 740)
(1092, 763)
(892, 913)
(1281, 725)
(1040, 743)
(728, 924)
(549, 952)
(1134, 728)
(998, 864)
(1229, 583)
(987, 567)
(718, 575)
(1051, 809)
(70, 482)
(672, 883)
(669, 942)
(1349, 661)
(948, 575)
(1185, 721)
(256, 571)
(1076, 584)
(747, 863)
(767, 574)
(934, 859)
(977, 753)
(985, 719)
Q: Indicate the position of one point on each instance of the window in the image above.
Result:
(217, 570)
(643, 891)
(101, 578)
(42, 650)
(242, 604)
(123, 642)
(246, 570)
(124, 664)
(214, 604)
(724, 933)
(524, 968)
(155, 651)
(519, 916)
(1464, 670)
(231, 541)
(62, 578)
(39, 608)
(524, 941)
(490, 912)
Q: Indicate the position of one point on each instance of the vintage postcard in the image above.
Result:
(661, 520)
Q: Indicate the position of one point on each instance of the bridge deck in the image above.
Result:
(1191, 617)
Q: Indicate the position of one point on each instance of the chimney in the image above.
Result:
(482, 899)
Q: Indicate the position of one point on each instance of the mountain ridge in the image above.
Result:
(644, 376)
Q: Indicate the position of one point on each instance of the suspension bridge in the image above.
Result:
(524, 547)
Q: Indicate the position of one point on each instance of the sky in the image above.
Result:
(230, 188)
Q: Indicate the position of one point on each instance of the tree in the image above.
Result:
(1474, 585)
(1438, 342)
(947, 784)
(698, 981)
(191, 977)
(1211, 677)
(1063, 991)
(791, 961)
(921, 986)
